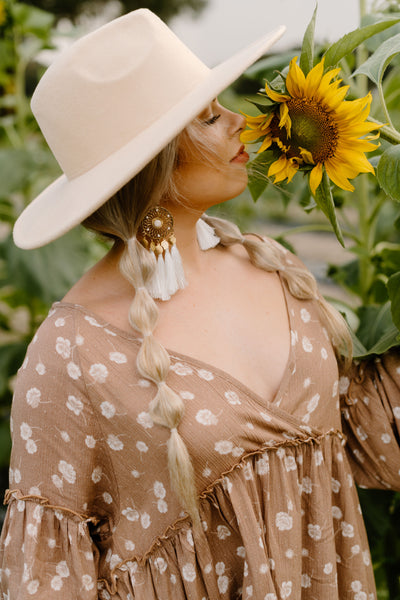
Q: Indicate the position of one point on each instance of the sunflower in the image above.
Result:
(312, 127)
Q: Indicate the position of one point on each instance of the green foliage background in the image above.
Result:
(31, 281)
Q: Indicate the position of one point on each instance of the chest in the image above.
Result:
(241, 328)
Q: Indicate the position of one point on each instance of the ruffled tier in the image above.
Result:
(57, 557)
(289, 505)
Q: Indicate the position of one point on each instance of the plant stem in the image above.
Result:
(387, 133)
(316, 227)
(383, 104)
(365, 242)
(362, 55)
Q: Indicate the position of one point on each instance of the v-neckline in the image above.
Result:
(256, 399)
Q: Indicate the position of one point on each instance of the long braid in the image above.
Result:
(270, 256)
(153, 362)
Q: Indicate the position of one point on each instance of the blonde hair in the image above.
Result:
(119, 219)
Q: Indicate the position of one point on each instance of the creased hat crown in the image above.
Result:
(105, 90)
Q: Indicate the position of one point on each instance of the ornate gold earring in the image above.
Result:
(156, 234)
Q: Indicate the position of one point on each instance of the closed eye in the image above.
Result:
(212, 120)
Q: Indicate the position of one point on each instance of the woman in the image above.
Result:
(220, 468)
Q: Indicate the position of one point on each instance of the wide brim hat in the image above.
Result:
(108, 105)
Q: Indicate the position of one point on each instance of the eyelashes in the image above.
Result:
(212, 120)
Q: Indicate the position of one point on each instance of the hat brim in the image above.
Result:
(67, 202)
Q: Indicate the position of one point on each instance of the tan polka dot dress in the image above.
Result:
(91, 512)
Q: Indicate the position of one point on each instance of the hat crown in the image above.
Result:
(110, 86)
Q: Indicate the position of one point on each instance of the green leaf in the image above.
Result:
(32, 20)
(368, 19)
(307, 47)
(16, 165)
(388, 172)
(5, 444)
(269, 65)
(265, 106)
(358, 348)
(39, 274)
(258, 168)
(376, 64)
(389, 339)
(393, 286)
(324, 200)
(349, 42)
(387, 255)
(11, 357)
(376, 331)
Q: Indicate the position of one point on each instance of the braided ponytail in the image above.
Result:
(153, 363)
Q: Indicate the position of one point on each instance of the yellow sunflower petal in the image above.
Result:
(327, 78)
(306, 154)
(250, 135)
(254, 120)
(338, 178)
(266, 144)
(291, 169)
(277, 166)
(275, 96)
(283, 168)
(295, 80)
(315, 177)
(334, 99)
(284, 118)
(313, 79)
(267, 122)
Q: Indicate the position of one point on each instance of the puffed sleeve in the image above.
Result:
(370, 401)
(59, 475)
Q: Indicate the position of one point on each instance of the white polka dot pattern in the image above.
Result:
(89, 471)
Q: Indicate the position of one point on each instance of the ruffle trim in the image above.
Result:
(13, 495)
(178, 526)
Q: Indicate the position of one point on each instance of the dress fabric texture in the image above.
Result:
(91, 512)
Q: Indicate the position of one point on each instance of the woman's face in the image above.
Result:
(213, 168)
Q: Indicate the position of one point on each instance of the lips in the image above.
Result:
(241, 156)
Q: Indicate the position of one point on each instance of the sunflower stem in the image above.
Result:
(317, 227)
(383, 104)
(366, 238)
(390, 134)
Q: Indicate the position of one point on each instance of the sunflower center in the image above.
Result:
(312, 128)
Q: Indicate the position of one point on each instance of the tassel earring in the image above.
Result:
(206, 236)
(156, 234)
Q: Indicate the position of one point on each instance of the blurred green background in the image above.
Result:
(31, 281)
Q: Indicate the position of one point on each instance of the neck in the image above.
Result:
(186, 238)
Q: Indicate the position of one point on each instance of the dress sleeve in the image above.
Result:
(370, 402)
(58, 508)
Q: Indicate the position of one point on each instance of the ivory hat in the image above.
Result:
(108, 105)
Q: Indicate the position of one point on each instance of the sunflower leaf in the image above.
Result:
(307, 47)
(376, 64)
(258, 179)
(393, 286)
(324, 199)
(388, 172)
(350, 41)
(265, 109)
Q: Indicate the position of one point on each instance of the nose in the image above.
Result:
(237, 124)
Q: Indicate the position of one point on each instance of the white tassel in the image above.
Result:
(178, 267)
(206, 235)
(157, 286)
(168, 276)
(171, 280)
